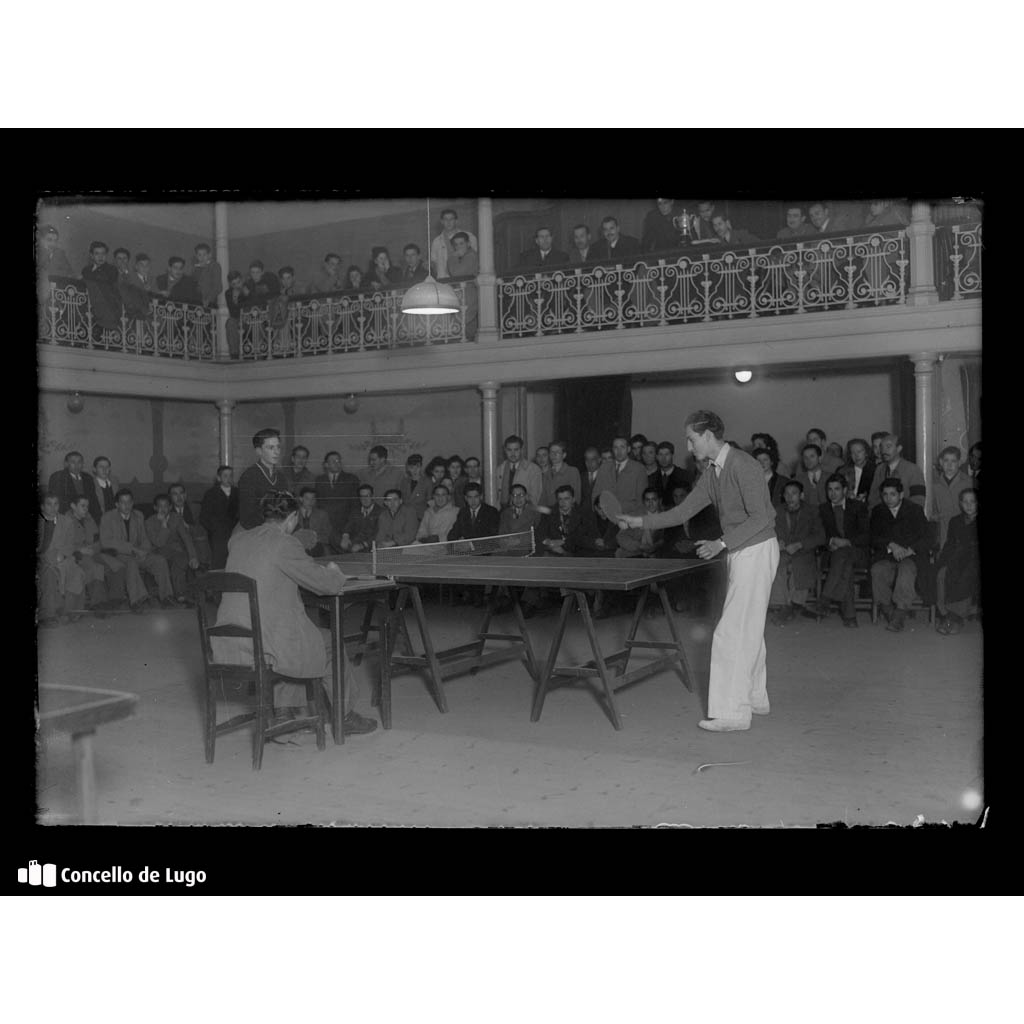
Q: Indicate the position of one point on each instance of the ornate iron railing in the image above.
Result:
(966, 260)
(171, 329)
(328, 324)
(790, 277)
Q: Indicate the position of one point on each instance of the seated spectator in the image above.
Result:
(947, 485)
(396, 525)
(615, 247)
(86, 552)
(219, 515)
(558, 474)
(137, 289)
(380, 275)
(207, 274)
(606, 532)
(762, 440)
(582, 251)
(476, 518)
(124, 539)
(104, 488)
(233, 300)
(298, 472)
(101, 284)
(379, 473)
(442, 249)
(800, 532)
(899, 533)
(51, 261)
(659, 234)
(123, 264)
(176, 285)
(416, 487)
(169, 538)
(776, 483)
(638, 542)
(823, 220)
(259, 287)
(413, 271)
(728, 235)
(180, 504)
(360, 530)
(566, 531)
(61, 582)
(894, 466)
(974, 464)
(847, 538)
(884, 213)
(70, 482)
(667, 475)
(353, 281)
(959, 567)
(328, 278)
(812, 476)
(636, 446)
(543, 253)
(337, 492)
(859, 470)
(439, 519)
(830, 462)
(314, 529)
(520, 514)
(796, 224)
(700, 225)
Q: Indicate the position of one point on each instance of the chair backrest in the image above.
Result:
(218, 583)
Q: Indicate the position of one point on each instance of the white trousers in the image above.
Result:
(738, 667)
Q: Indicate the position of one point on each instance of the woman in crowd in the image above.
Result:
(458, 480)
(859, 469)
(380, 275)
(353, 279)
(958, 569)
(776, 482)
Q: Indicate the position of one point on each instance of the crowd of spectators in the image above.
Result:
(841, 510)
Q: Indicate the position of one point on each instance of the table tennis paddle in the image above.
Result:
(610, 504)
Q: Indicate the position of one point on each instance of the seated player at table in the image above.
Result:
(638, 542)
(959, 568)
(314, 531)
(899, 539)
(439, 518)
(799, 530)
(292, 644)
(397, 523)
(520, 515)
(360, 530)
(170, 539)
(846, 538)
(476, 518)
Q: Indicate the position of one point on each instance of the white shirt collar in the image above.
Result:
(719, 459)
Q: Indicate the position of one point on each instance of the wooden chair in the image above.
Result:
(861, 580)
(258, 679)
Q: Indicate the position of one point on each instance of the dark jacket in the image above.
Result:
(340, 499)
(659, 233)
(628, 248)
(856, 527)
(255, 293)
(666, 485)
(866, 476)
(61, 485)
(218, 516)
(532, 260)
(185, 289)
(410, 277)
(909, 529)
(962, 560)
(486, 525)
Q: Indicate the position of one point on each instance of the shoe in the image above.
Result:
(956, 624)
(723, 725)
(885, 611)
(850, 623)
(806, 613)
(897, 622)
(762, 710)
(355, 724)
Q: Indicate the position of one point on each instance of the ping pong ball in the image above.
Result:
(971, 799)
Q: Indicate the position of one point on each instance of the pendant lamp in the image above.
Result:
(429, 298)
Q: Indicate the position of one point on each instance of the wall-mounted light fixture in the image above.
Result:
(75, 403)
(743, 376)
(351, 404)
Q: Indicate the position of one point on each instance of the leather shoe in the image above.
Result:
(723, 725)
(899, 617)
(355, 724)
(850, 623)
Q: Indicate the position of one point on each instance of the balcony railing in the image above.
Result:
(343, 323)
(171, 329)
(790, 277)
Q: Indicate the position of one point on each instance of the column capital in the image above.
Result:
(924, 362)
(226, 404)
(489, 388)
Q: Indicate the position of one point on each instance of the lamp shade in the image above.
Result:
(430, 298)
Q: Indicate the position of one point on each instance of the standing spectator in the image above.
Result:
(337, 491)
(85, 537)
(588, 482)
(123, 264)
(659, 234)
(847, 537)
(51, 261)
(558, 474)
(464, 262)
(360, 529)
(380, 275)
(876, 445)
(812, 476)
(728, 235)
(70, 482)
(800, 532)
(796, 224)
(830, 462)
(298, 472)
(101, 285)
(169, 538)
(379, 473)
(397, 523)
(473, 474)
(615, 247)
(896, 467)
(668, 476)
(219, 515)
(636, 446)
(328, 278)
(898, 539)
(649, 460)
(353, 281)
(859, 470)
(442, 249)
(104, 487)
(776, 482)
(60, 580)
(416, 487)
(582, 251)
(947, 485)
(176, 285)
(263, 477)
(412, 271)
(137, 289)
(123, 537)
(289, 287)
(624, 476)
(258, 289)
(700, 226)
(974, 464)
(233, 300)
(959, 567)
(543, 254)
(207, 274)
(542, 457)
(516, 469)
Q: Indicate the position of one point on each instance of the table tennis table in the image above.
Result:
(573, 577)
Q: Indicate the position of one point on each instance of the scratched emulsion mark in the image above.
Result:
(717, 764)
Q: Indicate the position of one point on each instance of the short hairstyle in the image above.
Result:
(473, 488)
(462, 235)
(703, 420)
(652, 490)
(413, 246)
(666, 446)
(565, 489)
(976, 447)
(332, 256)
(951, 450)
(513, 439)
(583, 226)
(306, 489)
(545, 227)
(969, 490)
(895, 437)
(518, 487)
(638, 438)
(177, 486)
(558, 444)
(891, 481)
(98, 460)
(878, 435)
(456, 458)
(70, 454)
(220, 469)
(448, 210)
(352, 267)
(773, 456)
(471, 458)
(823, 203)
(45, 496)
(793, 483)
(162, 497)
(857, 440)
(377, 250)
(811, 446)
(276, 506)
(379, 449)
(203, 247)
(329, 454)
(234, 275)
(143, 257)
(286, 270)
(121, 249)
(301, 448)
(821, 433)
(395, 491)
(441, 487)
(414, 460)
(263, 435)
(365, 487)
(76, 499)
(609, 220)
(93, 246)
(257, 264)
(175, 261)
(122, 492)
(837, 478)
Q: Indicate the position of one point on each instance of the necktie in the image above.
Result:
(839, 520)
(814, 478)
(472, 515)
(127, 531)
(48, 528)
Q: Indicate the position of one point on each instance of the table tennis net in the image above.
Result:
(513, 544)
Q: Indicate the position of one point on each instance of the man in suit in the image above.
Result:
(181, 505)
(895, 467)
(379, 473)
(476, 518)
(798, 527)
(898, 542)
(314, 529)
(70, 482)
(413, 270)
(176, 285)
(60, 579)
(564, 531)
(123, 537)
(337, 492)
(104, 487)
(959, 568)
(292, 644)
(588, 480)
(861, 470)
(623, 476)
(847, 537)
(101, 284)
(298, 473)
(219, 515)
(517, 469)
(582, 250)
(822, 219)
(668, 475)
(207, 274)
(700, 227)
(615, 247)
(543, 254)
(170, 538)
(812, 476)
(728, 235)
(829, 462)
(796, 224)
(51, 260)
(397, 524)
(328, 278)
(259, 287)
(360, 529)
(136, 288)
(659, 233)
(520, 514)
